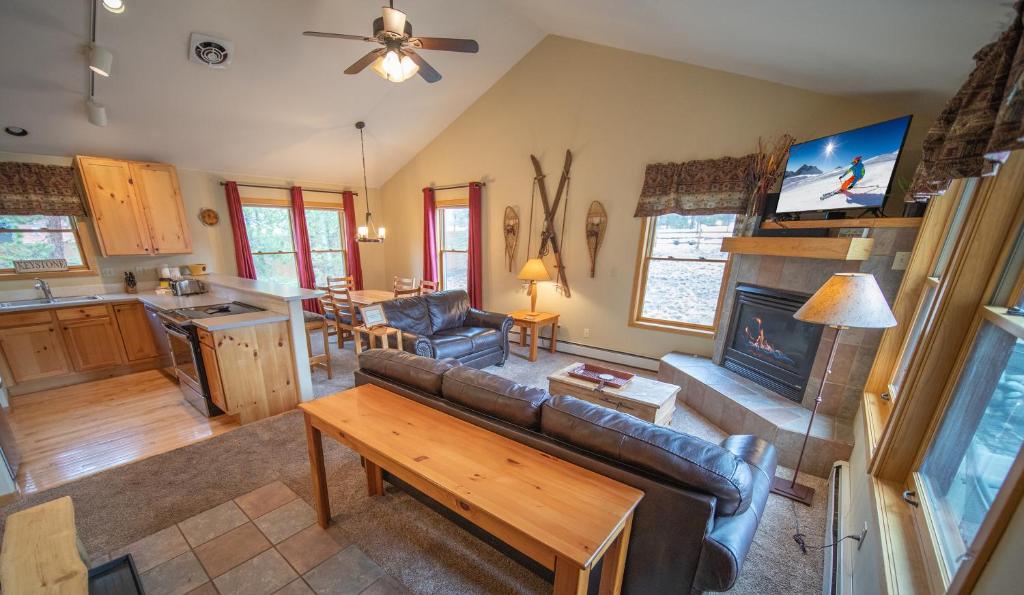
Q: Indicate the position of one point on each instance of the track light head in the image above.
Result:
(97, 113)
(114, 6)
(101, 60)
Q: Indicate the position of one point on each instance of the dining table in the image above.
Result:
(365, 297)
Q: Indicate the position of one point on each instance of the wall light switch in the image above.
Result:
(586, 332)
(899, 262)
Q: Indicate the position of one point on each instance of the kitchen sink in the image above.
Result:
(71, 299)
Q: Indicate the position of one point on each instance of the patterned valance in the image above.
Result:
(981, 123)
(704, 187)
(36, 189)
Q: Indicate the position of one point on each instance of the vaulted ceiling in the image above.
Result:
(284, 109)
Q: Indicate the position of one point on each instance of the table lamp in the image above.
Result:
(533, 271)
(846, 300)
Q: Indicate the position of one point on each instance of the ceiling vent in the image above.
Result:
(213, 52)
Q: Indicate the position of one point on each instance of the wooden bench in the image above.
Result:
(562, 516)
(41, 554)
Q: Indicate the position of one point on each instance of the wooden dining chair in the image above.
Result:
(345, 313)
(427, 287)
(318, 323)
(405, 286)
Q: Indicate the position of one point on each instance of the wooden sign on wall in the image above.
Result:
(43, 265)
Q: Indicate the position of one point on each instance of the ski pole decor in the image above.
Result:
(597, 222)
(510, 229)
(549, 233)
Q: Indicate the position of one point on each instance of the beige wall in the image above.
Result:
(211, 245)
(617, 111)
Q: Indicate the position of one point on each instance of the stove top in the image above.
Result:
(186, 315)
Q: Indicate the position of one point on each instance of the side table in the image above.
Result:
(533, 322)
(381, 332)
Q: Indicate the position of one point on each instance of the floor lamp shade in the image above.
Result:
(848, 300)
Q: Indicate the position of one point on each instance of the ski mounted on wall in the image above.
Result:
(549, 234)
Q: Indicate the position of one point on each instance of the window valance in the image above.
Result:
(704, 187)
(37, 189)
(982, 123)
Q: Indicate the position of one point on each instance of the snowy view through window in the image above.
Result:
(685, 268)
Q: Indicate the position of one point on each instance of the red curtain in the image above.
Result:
(303, 256)
(476, 247)
(429, 236)
(352, 262)
(243, 254)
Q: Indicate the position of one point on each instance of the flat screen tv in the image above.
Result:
(849, 170)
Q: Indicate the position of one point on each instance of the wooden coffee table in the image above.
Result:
(647, 399)
(563, 516)
(533, 322)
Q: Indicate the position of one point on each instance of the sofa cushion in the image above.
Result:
(422, 373)
(451, 345)
(494, 396)
(447, 309)
(678, 457)
(409, 314)
(482, 338)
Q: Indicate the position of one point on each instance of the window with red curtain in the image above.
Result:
(429, 235)
(243, 254)
(303, 256)
(355, 265)
(476, 257)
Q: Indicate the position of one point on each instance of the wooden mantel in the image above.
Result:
(821, 248)
(845, 223)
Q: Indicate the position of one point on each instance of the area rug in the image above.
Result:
(421, 549)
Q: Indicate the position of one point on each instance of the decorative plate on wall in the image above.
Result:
(209, 217)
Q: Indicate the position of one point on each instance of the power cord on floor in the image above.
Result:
(801, 539)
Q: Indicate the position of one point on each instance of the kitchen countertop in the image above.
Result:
(220, 323)
(159, 301)
(284, 293)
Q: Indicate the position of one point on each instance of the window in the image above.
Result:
(29, 237)
(325, 243)
(453, 246)
(681, 272)
(978, 440)
(270, 240)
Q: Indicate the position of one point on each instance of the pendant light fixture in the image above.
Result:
(363, 232)
(101, 62)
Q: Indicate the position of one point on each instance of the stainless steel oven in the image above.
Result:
(186, 356)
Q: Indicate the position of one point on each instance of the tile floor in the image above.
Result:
(261, 543)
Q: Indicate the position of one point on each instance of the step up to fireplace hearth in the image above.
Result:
(740, 406)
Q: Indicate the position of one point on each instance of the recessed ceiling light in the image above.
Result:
(114, 6)
(15, 131)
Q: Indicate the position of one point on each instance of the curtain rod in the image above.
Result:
(323, 190)
(455, 186)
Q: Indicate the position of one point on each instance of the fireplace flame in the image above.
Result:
(761, 345)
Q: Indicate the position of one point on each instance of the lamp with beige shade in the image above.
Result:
(533, 271)
(846, 300)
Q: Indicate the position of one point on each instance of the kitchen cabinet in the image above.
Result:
(136, 333)
(34, 352)
(92, 343)
(136, 207)
(251, 368)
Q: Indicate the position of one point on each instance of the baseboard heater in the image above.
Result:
(836, 577)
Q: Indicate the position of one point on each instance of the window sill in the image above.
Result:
(668, 328)
(51, 275)
(904, 569)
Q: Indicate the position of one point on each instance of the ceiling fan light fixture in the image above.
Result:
(101, 60)
(114, 6)
(394, 21)
(395, 66)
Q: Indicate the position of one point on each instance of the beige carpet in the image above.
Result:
(424, 551)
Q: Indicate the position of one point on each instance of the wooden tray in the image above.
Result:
(591, 373)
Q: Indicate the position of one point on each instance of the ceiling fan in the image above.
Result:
(397, 60)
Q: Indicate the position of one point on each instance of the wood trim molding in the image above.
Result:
(994, 208)
(820, 248)
(845, 223)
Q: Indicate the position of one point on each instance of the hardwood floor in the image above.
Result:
(67, 433)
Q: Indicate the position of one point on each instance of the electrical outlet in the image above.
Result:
(108, 272)
(586, 332)
(899, 262)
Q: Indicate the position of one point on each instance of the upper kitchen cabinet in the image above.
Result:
(136, 207)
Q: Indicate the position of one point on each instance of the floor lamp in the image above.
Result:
(846, 300)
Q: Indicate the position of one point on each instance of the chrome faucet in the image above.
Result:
(44, 287)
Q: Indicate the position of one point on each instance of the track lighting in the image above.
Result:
(101, 60)
(114, 6)
(97, 113)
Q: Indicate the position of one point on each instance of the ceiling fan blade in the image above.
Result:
(426, 70)
(363, 62)
(447, 44)
(337, 36)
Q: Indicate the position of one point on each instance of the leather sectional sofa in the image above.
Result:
(443, 325)
(702, 501)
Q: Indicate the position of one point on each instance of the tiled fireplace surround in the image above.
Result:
(741, 406)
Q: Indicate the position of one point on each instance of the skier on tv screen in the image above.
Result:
(856, 170)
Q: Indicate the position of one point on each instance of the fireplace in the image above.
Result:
(766, 344)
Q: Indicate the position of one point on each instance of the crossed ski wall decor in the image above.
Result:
(549, 233)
